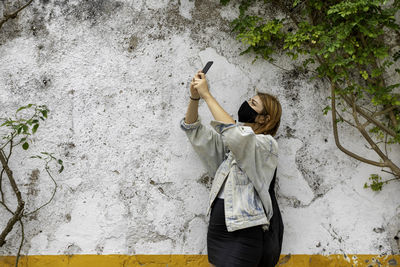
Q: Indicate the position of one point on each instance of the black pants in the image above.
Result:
(240, 248)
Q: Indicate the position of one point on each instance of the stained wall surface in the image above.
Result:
(115, 76)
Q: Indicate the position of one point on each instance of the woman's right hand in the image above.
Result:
(193, 91)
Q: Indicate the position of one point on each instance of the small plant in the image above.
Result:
(20, 131)
(376, 184)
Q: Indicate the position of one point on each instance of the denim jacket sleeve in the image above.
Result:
(207, 143)
(255, 154)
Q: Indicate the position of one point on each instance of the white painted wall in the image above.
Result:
(115, 76)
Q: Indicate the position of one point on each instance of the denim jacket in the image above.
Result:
(246, 160)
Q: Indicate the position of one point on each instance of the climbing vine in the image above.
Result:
(353, 46)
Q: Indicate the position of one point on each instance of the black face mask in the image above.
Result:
(247, 113)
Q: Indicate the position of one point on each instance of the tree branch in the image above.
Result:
(349, 122)
(391, 114)
(364, 133)
(369, 118)
(335, 133)
(14, 14)
(376, 114)
(22, 242)
(17, 216)
(52, 196)
(1, 177)
(19, 211)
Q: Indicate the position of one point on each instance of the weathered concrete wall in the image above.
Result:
(115, 76)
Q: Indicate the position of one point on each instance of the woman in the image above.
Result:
(241, 158)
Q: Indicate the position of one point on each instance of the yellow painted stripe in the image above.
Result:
(296, 260)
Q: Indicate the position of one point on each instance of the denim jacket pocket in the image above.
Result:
(239, 176)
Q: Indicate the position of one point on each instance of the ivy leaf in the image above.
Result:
(21, 108)
(44, 112)
(25, 146)
(364, 74)
(380, 52)
(34, 129)
(326, 109)
(296, 2)
(376, 72)
(25, 127)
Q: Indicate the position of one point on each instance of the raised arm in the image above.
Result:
(200, 84)
(193, 107)
(206, 142)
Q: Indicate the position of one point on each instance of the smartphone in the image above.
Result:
(207, 66)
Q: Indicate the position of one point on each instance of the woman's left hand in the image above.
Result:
(201, 84)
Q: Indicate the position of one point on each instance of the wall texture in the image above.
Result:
(115, 76)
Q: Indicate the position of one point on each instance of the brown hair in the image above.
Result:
(273, 108)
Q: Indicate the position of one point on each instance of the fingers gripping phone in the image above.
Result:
(207, 66)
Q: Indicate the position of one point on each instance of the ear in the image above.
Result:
(261, 119)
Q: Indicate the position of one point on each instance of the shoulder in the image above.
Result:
(268, 142)
(264, 141)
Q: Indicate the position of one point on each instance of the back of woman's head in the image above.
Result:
(273, 108)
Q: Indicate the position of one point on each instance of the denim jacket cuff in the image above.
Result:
(188, 126)
(220, 127)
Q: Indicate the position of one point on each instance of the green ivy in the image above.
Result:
(376, 184)
(345, 39)
(346, 35)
